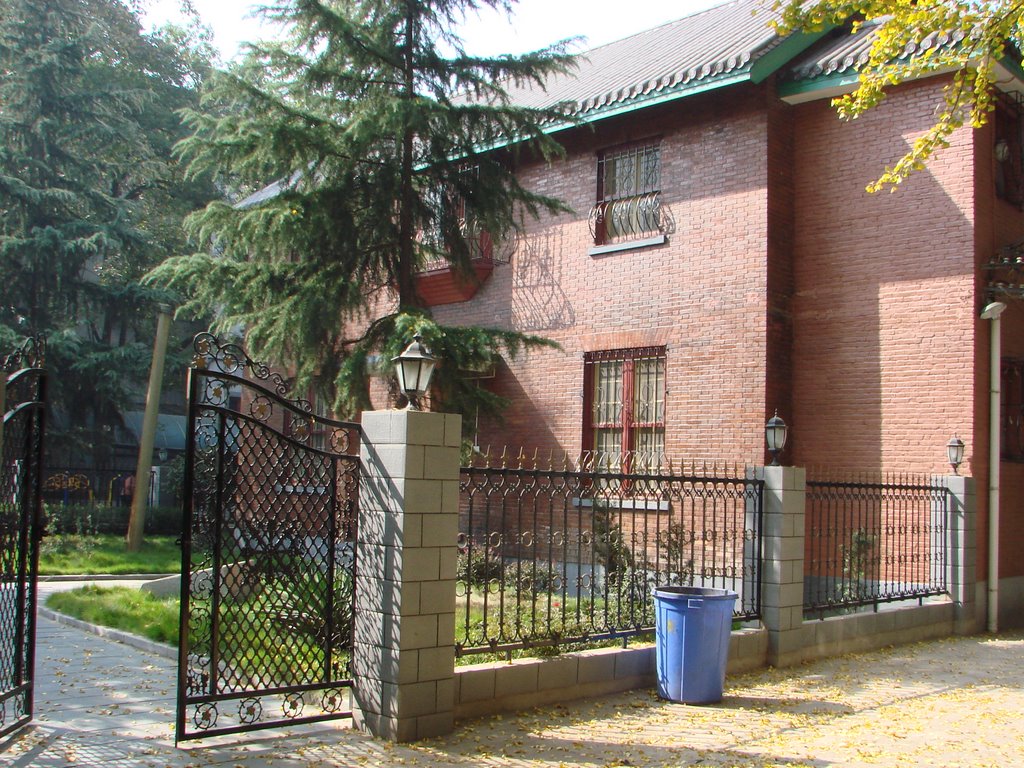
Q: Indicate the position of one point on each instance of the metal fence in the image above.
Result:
(109, 486)
(874, 541)
(551, 555)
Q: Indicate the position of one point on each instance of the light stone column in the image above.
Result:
(403, 654)
(782, 585)
(961, 566)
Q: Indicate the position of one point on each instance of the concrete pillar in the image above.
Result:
(961, 566)
(403, 654)
(782, 591)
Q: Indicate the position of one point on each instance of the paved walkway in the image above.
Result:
(960, 702)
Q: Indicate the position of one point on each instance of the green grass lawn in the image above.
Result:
(131, 610)
(105, 553)
(258, 639)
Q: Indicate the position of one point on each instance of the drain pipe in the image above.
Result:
(992, 312)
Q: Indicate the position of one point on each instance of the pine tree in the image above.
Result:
(89, 197)
(390, 147)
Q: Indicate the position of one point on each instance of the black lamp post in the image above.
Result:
(955, 453)
(775, 435)
(414, 367)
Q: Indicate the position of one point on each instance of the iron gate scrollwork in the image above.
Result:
(268, 552)
(21, 527)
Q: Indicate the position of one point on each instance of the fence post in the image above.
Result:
(961, 567)
(404, 629)
(782, 596)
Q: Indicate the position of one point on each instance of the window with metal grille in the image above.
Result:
(451, 219)
(624, 408)
(628, 193)
(1009, 149)
(301, 470)
(1012, 410)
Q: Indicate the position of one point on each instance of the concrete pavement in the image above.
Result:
(957, 702)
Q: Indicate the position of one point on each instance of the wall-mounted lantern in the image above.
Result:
(955, 453)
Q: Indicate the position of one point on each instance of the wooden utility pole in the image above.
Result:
(137, 521)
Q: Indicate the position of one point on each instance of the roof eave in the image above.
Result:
(787, 49)
(839, 83)
(756, 72)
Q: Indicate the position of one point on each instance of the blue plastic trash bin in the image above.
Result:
(692, 628)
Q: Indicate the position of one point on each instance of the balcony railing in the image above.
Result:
(438, 283)
(627, 219)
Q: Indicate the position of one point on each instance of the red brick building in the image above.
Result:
(724, 261)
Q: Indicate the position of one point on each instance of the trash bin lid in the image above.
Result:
(682, 593)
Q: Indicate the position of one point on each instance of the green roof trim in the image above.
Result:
(634, 104)
(654, 99)
(790, 47)
(827, 82)
(1011, 65)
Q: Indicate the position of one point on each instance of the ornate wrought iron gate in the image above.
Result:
(268, 552)
(21, 528)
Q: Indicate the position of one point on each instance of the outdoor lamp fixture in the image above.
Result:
(414, 367)
(955, 452)
(775, 434)
(161, 454)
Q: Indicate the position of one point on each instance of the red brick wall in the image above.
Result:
(702, 293)
(999, 224)
(884, 308)
(781, 224)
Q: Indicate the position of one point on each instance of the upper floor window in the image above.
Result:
(624, 408)
(1012, 395)
(628, 194)
(1009, 150)
(303, 470)
(451, 223)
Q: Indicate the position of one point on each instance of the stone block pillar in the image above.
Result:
(960, 532)
(404, 645)
(782, 591)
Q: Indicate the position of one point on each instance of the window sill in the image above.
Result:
(642, 505)
(647, 242)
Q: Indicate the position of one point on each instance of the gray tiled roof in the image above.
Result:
(846, 53)
(716, 43)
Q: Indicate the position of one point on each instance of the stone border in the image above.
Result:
(103, 577)
(117, 635)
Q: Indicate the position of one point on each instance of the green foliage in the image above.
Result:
(987, 30)
(365, 126)
(130, 610)
(299, 603)
(459, 349)
(274, 625)
(478, 568)
(89, 519)
(90, 197)
(69, 553)
(678, 569)
(857, 561)
(610, 548)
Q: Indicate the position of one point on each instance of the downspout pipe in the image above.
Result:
(992, 312)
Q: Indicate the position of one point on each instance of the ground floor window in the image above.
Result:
(624, 408)
(1012, 388)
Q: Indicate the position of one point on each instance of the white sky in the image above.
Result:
(535, 23)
